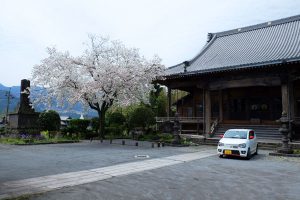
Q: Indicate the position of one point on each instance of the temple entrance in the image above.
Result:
(253, 104)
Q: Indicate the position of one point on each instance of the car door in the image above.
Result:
(252, 141)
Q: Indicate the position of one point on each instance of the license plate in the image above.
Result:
(227, 152)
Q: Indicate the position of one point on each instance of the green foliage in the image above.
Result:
(158, 101)
(115, 124)
(21, 141)
(115, 118)
(49, 120)
(95, 124)
(79, 125)
(161, 137)
(296, 151)
(142, 116)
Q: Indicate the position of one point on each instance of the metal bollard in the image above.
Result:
(110, 141)
(123, 142)
(162, 144)
(152, 145)
(101, 140)
(136, 144)
(158, 144)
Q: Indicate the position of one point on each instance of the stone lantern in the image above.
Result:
(284, 130)
(176, 128)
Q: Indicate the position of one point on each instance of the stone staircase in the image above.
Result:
(263, 132)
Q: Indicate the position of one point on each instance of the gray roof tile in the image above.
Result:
(262, 44)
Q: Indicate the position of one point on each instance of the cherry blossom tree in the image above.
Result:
(106, 74)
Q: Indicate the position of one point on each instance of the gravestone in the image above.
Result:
(25, 118)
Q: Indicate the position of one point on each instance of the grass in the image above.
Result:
(19, 141)
(296, 151)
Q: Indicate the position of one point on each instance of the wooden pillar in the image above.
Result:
(207, 107)
(220, 106)
(291, 101)
(169, 102)
(285, 98)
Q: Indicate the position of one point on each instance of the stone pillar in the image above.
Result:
(207, 108)
(169, 102)
(24, 97)
(220, 106)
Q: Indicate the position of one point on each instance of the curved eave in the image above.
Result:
(233, 68)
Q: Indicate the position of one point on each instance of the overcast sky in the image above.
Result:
(175, 30)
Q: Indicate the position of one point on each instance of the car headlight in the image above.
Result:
(220, 144)
(243, 145)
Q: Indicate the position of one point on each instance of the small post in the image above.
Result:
(176, 128)
(162, 144)
(136, 144)
(152, 145)
(110, 141)
(123, 142)
(158, 145)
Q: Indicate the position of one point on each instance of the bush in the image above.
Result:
(141, 117)
(116, 118)
(95, 124)
(79, 126)
(49, 120)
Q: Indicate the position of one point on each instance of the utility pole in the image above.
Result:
(7, 107)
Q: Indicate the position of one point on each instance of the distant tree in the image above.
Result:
(49, 120)
(106, 74)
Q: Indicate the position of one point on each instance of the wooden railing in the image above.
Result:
(214, 126)
(181, 119)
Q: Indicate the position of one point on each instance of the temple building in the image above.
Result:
(245, 77)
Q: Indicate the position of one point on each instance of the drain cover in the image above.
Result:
(141, 156)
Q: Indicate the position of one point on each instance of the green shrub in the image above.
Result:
(141, 117)
(116, 118)
(49, 120)
(95, 124)
(79, 127)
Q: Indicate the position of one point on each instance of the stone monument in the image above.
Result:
(25, 118)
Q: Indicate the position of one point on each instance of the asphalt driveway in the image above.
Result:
(262, 177)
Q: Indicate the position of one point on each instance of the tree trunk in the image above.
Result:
(101, 115)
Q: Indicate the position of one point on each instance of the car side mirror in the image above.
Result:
(221, 136)
(251, 137)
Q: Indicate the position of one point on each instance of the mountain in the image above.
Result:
(15, 100)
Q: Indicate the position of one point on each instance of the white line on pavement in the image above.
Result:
(52, 182)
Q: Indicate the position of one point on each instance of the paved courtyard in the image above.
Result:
(104, 171)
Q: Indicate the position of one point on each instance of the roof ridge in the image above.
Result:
(206, 46)
(258, 26)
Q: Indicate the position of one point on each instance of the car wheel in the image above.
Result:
(221, 156)
(256, 152)
(248, 154)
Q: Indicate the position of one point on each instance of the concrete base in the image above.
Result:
(23, 122)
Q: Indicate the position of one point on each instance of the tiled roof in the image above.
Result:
(263, 44)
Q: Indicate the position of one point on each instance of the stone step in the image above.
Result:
(262, 131)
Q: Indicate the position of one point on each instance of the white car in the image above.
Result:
(238, 142)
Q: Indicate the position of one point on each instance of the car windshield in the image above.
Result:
(239, 134)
